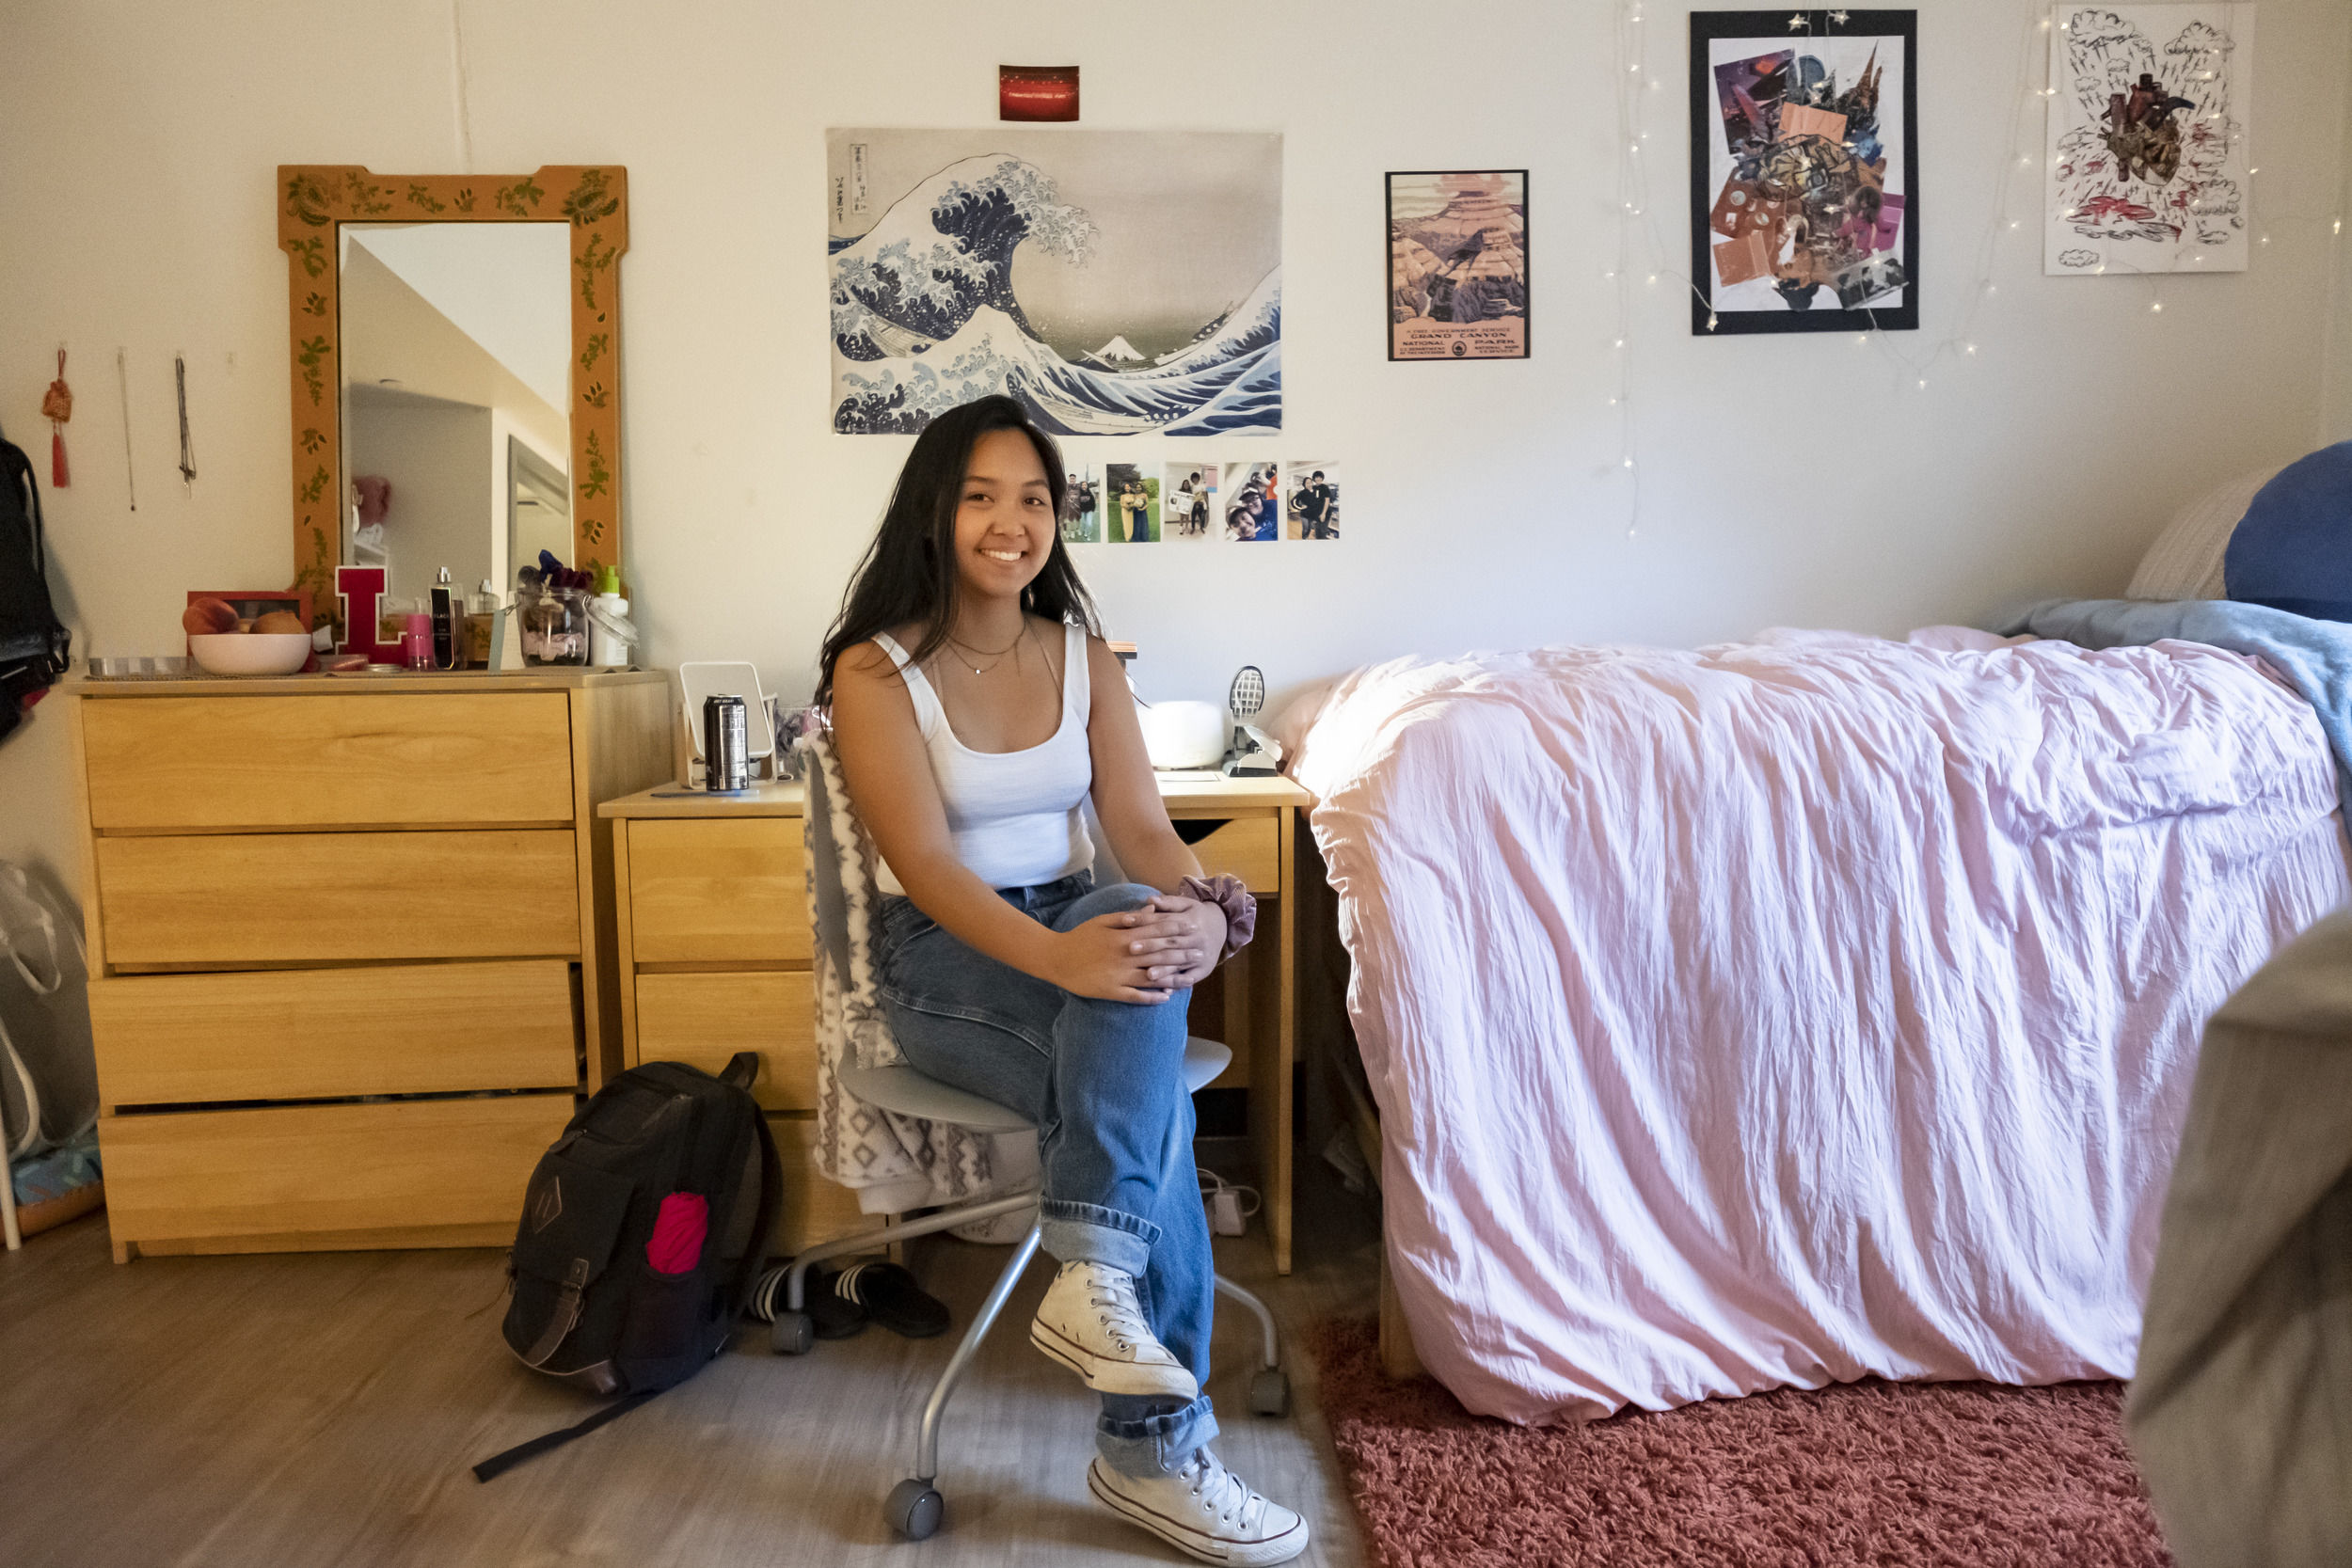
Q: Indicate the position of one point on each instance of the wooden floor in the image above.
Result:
(309, 1409)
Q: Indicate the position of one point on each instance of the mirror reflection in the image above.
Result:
(457, 352)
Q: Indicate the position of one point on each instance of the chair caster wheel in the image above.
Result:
(792, 1334)
(1270, 1392)
(915, 1508)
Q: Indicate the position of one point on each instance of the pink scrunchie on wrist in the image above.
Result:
(1228, 894)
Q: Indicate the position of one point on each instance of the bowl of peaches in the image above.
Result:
(222, 643)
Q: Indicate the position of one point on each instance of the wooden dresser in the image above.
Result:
(714, 958)
(349, 945)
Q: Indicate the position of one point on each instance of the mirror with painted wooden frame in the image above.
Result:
(454, 356)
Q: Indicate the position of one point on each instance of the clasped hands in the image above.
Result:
(1143, 955)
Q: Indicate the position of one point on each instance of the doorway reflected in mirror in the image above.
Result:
(538, 509)
(456, 353)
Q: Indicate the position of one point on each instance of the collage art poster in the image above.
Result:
(1803, 197)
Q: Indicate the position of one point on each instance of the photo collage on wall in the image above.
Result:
(1186, 500)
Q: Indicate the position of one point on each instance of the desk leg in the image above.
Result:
(1240, 986)
(624, 957)
(1274, 1016)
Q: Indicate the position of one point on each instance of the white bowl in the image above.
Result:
(251, 653)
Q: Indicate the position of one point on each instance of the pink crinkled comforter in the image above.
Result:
(1786, 1012)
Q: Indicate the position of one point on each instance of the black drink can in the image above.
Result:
(726, 743)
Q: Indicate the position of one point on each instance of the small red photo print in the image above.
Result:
(1036, 92)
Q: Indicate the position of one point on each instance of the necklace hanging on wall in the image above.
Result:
(57, 406)
(187, 448)
(130, 468)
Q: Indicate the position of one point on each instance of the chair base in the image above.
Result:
(915, 1507)
(791, 1280)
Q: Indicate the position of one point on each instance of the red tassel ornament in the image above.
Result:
(57, 407)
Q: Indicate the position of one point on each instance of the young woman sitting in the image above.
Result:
(975, 708)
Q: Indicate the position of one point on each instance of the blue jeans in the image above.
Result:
(1104, 1084)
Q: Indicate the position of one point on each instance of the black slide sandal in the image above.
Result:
(888, 1295)
(835, 1315)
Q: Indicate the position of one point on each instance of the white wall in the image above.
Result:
(1485, 508)
(2338, 402)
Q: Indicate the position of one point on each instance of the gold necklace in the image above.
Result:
(997, 654)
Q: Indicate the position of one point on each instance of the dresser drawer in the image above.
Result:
(702, 1019)
(304, 762)
(725, 889)
(309, 1034)
(290, 1169)
(1249, 848)
(283, 898)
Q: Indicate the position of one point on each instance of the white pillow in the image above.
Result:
(2185, 563)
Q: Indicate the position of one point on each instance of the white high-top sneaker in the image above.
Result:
(1203, 1511)
(1090, 1322)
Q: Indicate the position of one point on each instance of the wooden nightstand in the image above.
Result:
(713, 958)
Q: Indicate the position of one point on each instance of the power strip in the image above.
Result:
(1227, 1217)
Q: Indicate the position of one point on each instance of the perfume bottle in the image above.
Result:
(482, 606)
(444, 621)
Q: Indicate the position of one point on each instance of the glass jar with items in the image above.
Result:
(555, 625)
(551, 603)
(551, 600)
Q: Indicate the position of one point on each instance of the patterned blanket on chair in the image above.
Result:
(895, 1162)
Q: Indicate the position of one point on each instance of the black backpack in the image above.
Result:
(655, 1149)
(33, 646)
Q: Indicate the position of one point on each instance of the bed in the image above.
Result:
(1792, 1011)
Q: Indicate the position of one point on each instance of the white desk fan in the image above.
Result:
(1254, 753)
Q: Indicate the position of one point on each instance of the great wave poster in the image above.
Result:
(1115, 282)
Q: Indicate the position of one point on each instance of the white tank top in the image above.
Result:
(1017, 818)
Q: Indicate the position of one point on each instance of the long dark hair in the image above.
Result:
(909, 571)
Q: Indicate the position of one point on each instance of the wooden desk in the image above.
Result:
(713, 952)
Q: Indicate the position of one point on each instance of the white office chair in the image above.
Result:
(915, 1506)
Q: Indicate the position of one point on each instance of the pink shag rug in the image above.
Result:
(1958, 1474)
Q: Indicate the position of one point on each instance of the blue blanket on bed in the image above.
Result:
(2315, 656)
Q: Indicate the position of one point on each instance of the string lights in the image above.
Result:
(1632, 202)
(1912, 354)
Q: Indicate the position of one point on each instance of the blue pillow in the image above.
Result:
(2294, 549)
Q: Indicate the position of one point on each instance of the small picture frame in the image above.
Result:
(1458, 265)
